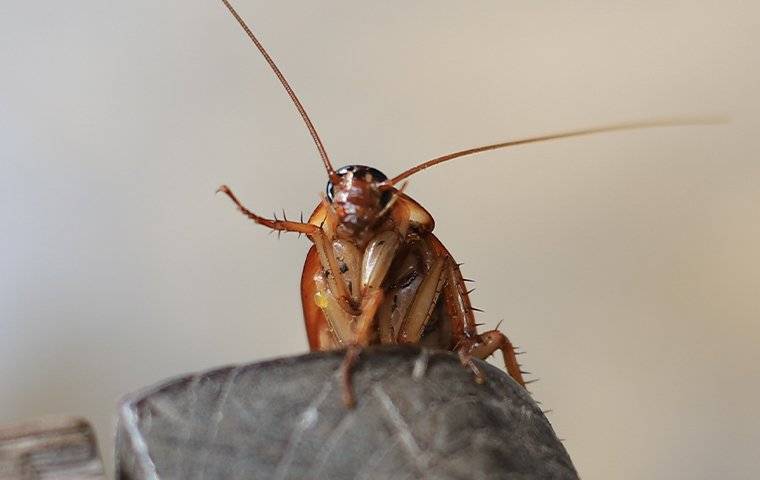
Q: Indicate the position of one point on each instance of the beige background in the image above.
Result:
(626, 264)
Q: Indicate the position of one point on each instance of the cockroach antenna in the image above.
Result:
(666, 122)
(312, 130)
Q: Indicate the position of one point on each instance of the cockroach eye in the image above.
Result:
(375, 175)
(330, 190)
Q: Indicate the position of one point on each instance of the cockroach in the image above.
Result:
(376, 273)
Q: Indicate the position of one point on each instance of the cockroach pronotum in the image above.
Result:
(376, 273)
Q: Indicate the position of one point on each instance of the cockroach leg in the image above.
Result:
(424, 302)
(385, 324)
(365, 326)
(326, 253)
(279, 225)
(340, 322)
(485, 344)
(378, 257)
(470, 344)
(401, 216)
(458, 305)
(395, 195)
(349, 260)
(466, 358)
(334, 276)
(347, 367)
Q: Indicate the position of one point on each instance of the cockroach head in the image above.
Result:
(358, 195)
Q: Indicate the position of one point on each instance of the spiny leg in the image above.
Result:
(486, 343)
(458, 302)
(276, 224)
(324, 248)
(372, 298)
(470, 343)
(364, 330)
(460, 312)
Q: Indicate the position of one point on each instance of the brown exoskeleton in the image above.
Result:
(376, 274)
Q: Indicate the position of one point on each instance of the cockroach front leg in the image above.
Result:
(378, 257)
(274, 224)
(326, 253)
(348, 331)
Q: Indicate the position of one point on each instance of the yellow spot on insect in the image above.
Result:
(321, 300)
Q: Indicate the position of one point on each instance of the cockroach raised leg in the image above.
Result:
(276, 224)
(314, 232)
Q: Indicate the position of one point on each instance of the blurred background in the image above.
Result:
(625, 264)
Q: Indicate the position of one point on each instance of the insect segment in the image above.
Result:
(376, 273)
